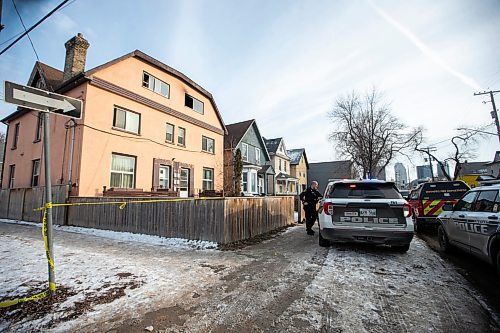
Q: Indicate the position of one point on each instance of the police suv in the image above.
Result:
(473, 224)
(368, 211)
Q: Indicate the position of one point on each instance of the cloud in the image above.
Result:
(425, 49)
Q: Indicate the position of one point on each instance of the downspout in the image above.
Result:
(72, 147)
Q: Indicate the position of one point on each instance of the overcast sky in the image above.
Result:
(285, 62)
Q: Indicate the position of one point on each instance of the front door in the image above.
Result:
(184, 183)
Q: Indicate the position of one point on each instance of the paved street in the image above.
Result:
(285, 284)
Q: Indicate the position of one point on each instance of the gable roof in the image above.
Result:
(272, 144)
(296, 154)
(53, 78)
(236, 132)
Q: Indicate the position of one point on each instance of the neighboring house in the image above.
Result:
(144, 126)
(473, 168)
(322, 172)
(257, 178)
(494, 166)
(299, 166)
(280, 161)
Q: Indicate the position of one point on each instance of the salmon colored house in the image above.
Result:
(144, 126)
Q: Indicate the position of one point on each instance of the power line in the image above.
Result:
(11, 38)
(34, 26)
(21, 19)
(493, 113)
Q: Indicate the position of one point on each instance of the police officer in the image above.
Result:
(310, 198)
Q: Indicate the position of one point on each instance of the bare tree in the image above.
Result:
(369, 134)
(464, 148)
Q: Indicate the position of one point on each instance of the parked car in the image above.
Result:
(368, 211)
(473, 224)
(405, 194)
(428, 199)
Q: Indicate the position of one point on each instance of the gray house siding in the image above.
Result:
(252, 140)
(323, 171)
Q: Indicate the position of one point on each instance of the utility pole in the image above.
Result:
(493, 113)
(429, 150)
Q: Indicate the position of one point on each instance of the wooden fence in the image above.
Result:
(18, 203)
(221, 220)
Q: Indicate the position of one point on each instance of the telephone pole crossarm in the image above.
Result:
(494, 113)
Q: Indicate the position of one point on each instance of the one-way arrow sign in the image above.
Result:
(37, 99)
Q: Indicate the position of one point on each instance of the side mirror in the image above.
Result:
(448, 207)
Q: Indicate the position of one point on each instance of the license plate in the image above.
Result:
(368, 212)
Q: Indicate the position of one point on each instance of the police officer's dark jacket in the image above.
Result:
(310, 196)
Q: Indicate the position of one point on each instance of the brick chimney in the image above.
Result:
(76, 54)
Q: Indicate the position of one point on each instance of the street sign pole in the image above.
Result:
(48, 102)
(48, 197)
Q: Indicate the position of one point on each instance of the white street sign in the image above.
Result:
(38, 99)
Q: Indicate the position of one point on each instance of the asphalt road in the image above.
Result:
(291, 284)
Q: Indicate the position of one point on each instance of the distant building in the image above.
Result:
(424, 171)
(401, 176)
(440, 172)
(494, 166)
(474, 168)
(323, 171)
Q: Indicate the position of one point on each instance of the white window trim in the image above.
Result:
(167, 176)
(124, 172)
(243, 157)
(257, 155)
(128, 130)
(211, 180)
(213, 144)
(181, 129)
(37, 174)
(173, 132)
(152, 88)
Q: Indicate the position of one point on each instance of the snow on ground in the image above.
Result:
(172, 243)
(363, 289)
(153, 272)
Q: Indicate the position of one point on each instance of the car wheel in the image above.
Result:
(402, 248)
(323, 242)
(444, 243)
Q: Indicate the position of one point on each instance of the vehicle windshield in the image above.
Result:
(365, 190)
(444, 190)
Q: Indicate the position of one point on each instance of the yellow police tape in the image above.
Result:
(50, 205)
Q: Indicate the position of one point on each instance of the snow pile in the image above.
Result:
(173, 243)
